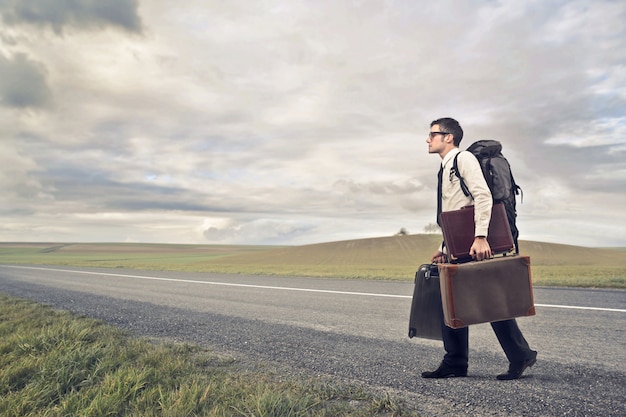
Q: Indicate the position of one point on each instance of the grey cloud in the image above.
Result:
(265, 231)
(96, 191)
(60, 14)
(591, 169)
(380, 187)
(23, 83)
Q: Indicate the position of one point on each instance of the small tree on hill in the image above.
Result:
(432, 228)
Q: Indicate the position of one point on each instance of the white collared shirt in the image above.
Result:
(452, 195)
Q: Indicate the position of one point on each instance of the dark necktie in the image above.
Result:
(439, 185)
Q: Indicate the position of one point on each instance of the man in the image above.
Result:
(444, 139)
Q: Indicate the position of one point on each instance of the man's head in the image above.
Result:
(450, 126)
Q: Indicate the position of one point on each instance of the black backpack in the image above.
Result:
(497, 173)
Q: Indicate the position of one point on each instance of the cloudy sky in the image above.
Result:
(302, 121)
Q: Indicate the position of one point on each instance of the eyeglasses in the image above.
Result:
(433, 134)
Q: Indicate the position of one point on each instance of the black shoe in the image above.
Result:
(517, 369)
(445, 371)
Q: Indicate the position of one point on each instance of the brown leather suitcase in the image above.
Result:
(425, 319)
(458, 232)
(485, 291)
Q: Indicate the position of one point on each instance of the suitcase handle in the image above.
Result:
(431, 271)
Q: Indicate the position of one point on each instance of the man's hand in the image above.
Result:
(480, 249)
(438, 258)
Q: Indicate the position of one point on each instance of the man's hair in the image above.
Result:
(448, 124)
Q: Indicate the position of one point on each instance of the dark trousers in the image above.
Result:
(456, 343)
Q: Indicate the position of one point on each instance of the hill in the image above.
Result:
(419, 248)
(395, 257)
(398, 257)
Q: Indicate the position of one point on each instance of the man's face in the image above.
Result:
(436, 140)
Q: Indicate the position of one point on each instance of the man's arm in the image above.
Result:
(470, 170)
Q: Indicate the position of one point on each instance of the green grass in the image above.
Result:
(56, 364)
(390, 258)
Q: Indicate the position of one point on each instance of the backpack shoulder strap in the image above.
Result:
(455, 167)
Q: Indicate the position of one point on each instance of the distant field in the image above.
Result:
(393, 258)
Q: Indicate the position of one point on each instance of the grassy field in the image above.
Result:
(55, 364)
(394, 258)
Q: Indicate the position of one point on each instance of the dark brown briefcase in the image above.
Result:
(425, 319)
(458, 232)
(485, 291)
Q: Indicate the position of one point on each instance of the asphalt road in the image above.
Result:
(356, 331)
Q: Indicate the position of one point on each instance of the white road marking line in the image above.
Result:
(617, 310)
(230, 284)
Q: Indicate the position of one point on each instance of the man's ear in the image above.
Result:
(449, 139)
